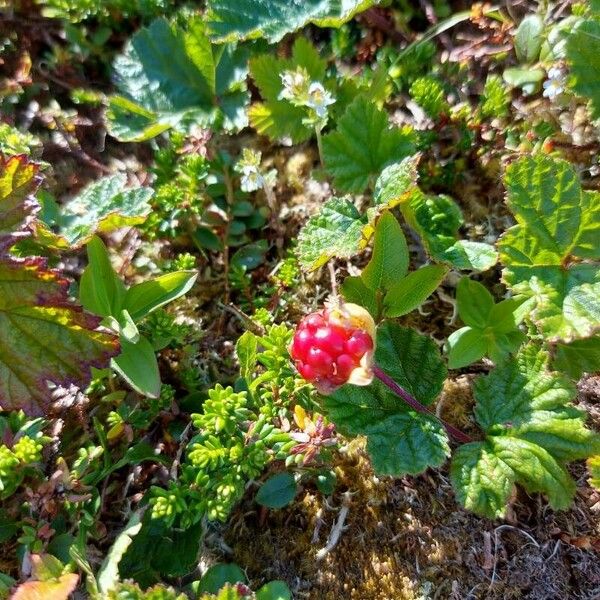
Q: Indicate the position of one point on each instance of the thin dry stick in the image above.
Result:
(336, 530)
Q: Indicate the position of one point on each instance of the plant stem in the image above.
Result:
(457, 434)
(319, 144)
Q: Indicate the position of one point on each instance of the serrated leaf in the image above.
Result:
(335, 231)
(362, 145)
(483, 483)
(531, 427)
(103, 206)
(583, 54)
(396, 182)
(437, 220)
(399, 440)
(578, 357)
(412, 291)
(242, 19)
(411, 359)
(389, 262)
(557, 221)
(43, 336)
(246, 350)
(169, 76)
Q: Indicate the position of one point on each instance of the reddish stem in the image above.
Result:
(457, 434)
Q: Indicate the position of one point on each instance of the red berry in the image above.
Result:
(303, 341)
(306, 371)
(359, 343)
(331, 339)
(328, 346)
(345, 365)
(321, 361)
(314, 320)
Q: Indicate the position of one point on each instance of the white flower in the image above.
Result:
(294, 85)
(251, 179)
(555, 84)
(319, 99)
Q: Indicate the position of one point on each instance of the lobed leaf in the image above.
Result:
(243, 19)
(557, 222)
(103, 206)
(168, 76)
(531, 429)
(362, 145)
(44, 338)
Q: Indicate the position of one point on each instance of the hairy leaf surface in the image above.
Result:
(557, 222)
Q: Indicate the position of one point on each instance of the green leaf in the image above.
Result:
(528, 38)
(143, 298)
(169, 77)
(389, 262)
(583, 54)
(218, 575)
(103, 206)
(158, 552)
(409, 293)
(274, 590)
(277, 491)
(246, 350)
(474, 303)
(250, 256)
(101, 291)
(396, 182)
(242, 19)
(437, 220)
(399, 441)
(137, 365)
(355, 290)
(466, 346)
(335, 231)
(578, 357)
(43, 336)
(531, 427)
(483, 482)
(412, 360)
(362, 145)
(556, 222)
(108, 576)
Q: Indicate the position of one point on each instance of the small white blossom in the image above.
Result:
(295, 85)
(555, 84)
(252, 176)
(319, 99)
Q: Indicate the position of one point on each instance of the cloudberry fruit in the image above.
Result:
(335, 346)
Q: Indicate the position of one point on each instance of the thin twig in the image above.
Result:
(336, 530)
